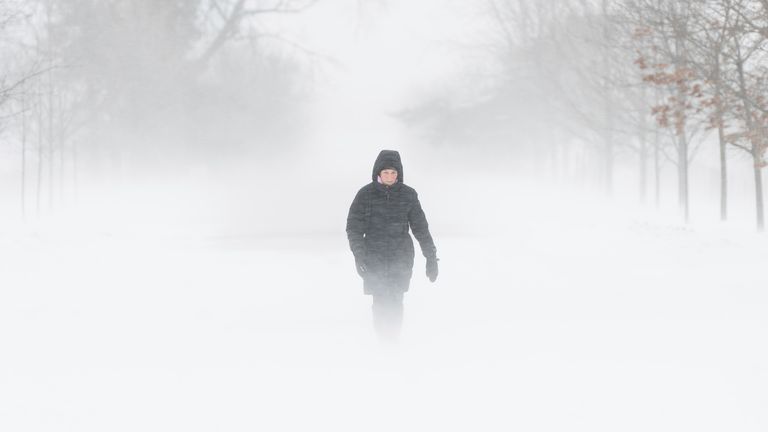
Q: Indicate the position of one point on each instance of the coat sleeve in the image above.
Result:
(420, 228)
(356, 223)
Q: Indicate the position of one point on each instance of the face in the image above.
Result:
(388, 176)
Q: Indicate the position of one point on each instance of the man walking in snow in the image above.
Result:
(377, 229)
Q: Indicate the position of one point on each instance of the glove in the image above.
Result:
(432, 268)
(360, 267)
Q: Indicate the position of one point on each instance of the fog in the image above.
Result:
(176, 180)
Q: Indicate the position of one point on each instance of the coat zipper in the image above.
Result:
(386, 266)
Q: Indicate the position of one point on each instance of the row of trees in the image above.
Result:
(706, 64)
(654, 79)
(658, 77)
(139, 82)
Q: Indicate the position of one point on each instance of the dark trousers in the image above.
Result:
(387, 315)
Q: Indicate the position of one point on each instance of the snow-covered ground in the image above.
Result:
(589, 318)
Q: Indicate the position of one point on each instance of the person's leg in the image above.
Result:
(387, 315)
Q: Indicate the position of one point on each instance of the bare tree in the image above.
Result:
(666, 26)
(225, 20)
(747, 40)
(712, 40)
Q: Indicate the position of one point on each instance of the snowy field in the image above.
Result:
(183, 265)
(539, 321)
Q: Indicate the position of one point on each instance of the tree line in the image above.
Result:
(659, 77)
(138, 82)
(652, 79)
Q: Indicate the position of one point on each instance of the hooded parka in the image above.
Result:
(377, 229)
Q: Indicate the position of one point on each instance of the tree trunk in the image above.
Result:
(723, 174)
(39, 154)
(51, 138)
(680, 119)
(756, 142)
(23, 154)
(607, 107)
(643, 166)
(643, 150)
(758, 171)
(682, 175)
(60, 132)
(656, 168)
(721, 141)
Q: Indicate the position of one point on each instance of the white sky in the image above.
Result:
(388, 53)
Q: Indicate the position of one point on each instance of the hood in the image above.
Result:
(388, 158)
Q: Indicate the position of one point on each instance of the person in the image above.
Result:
(377, 230)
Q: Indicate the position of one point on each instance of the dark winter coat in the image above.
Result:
(377, 229)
